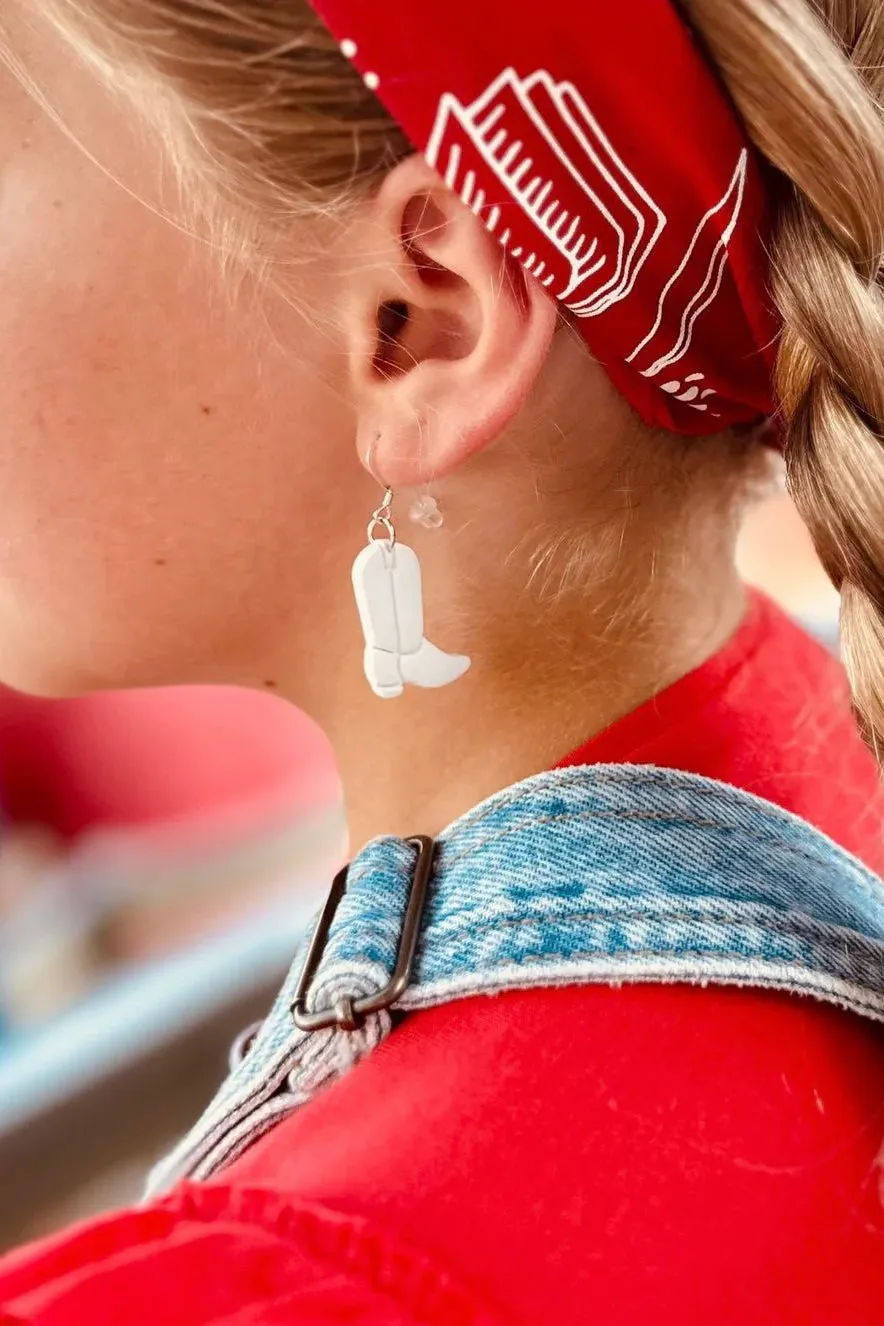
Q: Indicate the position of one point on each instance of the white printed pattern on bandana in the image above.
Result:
(601, 254)
(695, 297)
(526, 131)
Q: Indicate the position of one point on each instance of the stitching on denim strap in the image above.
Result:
(788, 923)
(617, 776)
(681, 978)
(568, 779)
(630, 816)
(686, 951)
(869, 952)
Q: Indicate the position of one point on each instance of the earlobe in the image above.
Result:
(458, 332)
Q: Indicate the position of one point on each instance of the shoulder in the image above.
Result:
(680, 1155)
(651, 1141)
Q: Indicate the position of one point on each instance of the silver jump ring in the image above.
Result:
(386, 524)
(386, 507)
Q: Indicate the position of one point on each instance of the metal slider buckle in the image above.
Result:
(349, 1014)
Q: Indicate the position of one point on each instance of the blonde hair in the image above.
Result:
(261, 106)
(809, 82)
(264, 117)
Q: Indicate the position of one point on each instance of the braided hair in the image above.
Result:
(809, 82)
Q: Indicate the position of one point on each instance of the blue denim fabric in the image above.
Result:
(600, 874)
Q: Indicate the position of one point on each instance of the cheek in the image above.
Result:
(148, 468)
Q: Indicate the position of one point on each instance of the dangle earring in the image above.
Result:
(389, 596)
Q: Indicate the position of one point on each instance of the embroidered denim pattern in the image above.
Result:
(599, 874)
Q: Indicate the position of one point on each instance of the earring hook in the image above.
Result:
(372, 468)
(383, 515)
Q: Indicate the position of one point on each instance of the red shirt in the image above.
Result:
(648, 1154)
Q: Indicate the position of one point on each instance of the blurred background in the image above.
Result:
(160, 854)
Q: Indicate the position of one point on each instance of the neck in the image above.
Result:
(414, 764)
(582, 573)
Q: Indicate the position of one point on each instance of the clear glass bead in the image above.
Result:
(425, 511)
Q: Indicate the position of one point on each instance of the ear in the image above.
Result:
(447, 335)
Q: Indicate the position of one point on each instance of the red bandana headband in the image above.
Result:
(595, 142)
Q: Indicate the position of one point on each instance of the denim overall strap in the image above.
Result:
(587, 875)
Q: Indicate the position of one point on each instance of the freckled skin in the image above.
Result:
(149, 421)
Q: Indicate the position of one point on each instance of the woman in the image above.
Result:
(242, 318)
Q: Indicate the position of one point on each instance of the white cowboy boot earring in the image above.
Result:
(389, 596)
